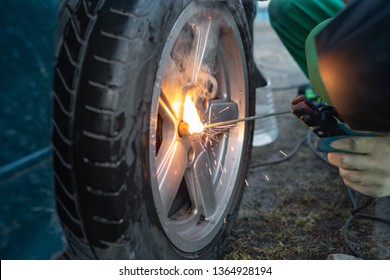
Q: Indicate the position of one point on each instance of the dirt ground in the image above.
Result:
(295, 209)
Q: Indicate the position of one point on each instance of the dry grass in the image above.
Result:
(297, 227)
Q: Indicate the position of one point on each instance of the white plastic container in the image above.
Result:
(266, 130)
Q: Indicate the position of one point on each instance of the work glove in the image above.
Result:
(365, 167)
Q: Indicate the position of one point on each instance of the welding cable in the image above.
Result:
(308, 137)
(322, 156)
(349, 243)
(356, 214)
(290, 155)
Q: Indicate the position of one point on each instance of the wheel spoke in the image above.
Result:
(167, 113)
(201, 185)
(204, 47)
(171, 166)
(172, 89)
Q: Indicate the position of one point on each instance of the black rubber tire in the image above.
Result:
(107, 57)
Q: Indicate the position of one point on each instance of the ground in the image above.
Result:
(295, 209)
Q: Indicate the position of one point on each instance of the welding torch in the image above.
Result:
(325, 122)
(322, 119)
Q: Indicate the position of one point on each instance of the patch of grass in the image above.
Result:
(304, 226)
(307, 222)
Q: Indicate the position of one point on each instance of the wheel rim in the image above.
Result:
(194, 178)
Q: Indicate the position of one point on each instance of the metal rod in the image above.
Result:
(245, 119)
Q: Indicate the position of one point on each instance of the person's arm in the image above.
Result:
(366, 168)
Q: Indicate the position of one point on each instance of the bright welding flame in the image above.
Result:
(191, 116)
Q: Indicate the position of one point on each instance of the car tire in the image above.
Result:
(108, 58)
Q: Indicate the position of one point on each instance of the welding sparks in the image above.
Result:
(266, 177)
(246, 182)
(283, 153)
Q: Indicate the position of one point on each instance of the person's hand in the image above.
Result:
(367, 167)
